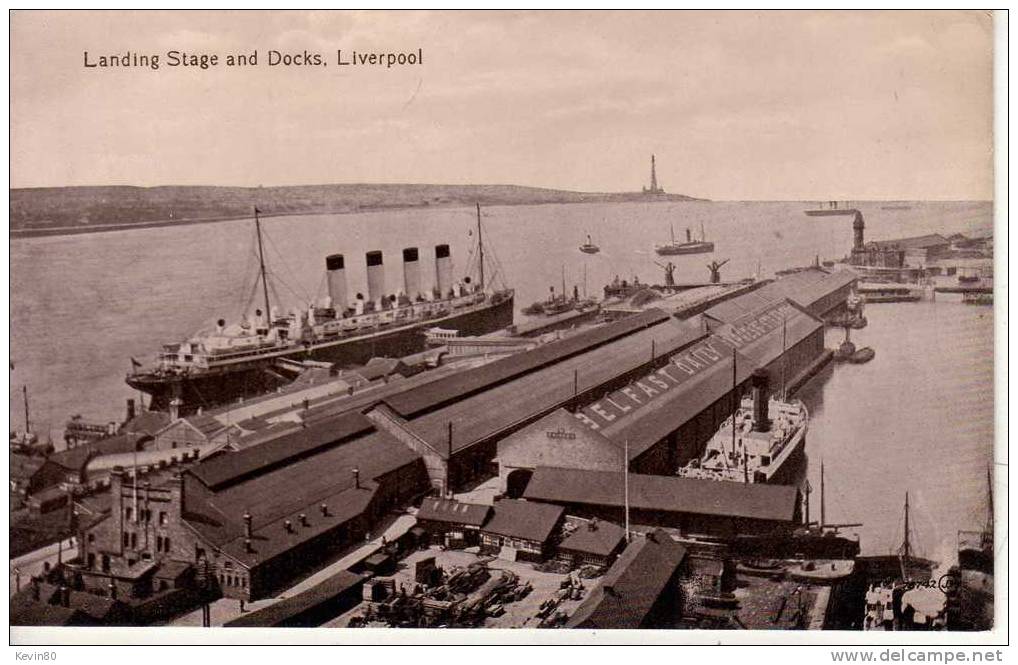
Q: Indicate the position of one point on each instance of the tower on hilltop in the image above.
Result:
(654, 188)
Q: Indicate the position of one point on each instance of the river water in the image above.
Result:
(918, 417)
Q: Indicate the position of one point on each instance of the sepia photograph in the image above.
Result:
(594, 325)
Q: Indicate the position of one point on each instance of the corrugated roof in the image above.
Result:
(664, 493)
(525, 520)
(764, 335)
(632, 585)
(464, 384)
(290, 609)
(453, 512)
(526, 398)
(147, 422)
(205, 423)
(595, 537)
(234, 467)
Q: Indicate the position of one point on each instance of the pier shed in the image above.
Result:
(521, 530)
(692, 506)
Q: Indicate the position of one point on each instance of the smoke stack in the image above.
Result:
(247, 546)
(761, 422)
(288, 525)
(858, 226)
(175, 405)
(357, 478)
(376, 275)
(336, 272)
(247, 525)
(411, 273)
(130, 409)
(303, 519)
(443, 270)
(325, 510)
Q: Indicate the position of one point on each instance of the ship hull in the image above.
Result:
(700, 248)
(212, 388)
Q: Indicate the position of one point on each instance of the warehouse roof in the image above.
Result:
(289, 610)
(516, 403)
(464, 384)
(672, 494)
(632, 585)
(525, 520)
(147, 422)
(286, 492)
(808, 286)
(594, 537)
(453, 512)
(765, 335)
(288, 448)
(915, 242)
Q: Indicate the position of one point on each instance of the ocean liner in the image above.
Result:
(249, 358)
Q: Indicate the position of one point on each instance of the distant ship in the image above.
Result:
(589, 247)
(831, 208)
(243, 359)
(689, 247)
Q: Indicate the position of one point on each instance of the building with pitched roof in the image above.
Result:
(642, 589)
(453, 523)
(521, 530)
(592, 542)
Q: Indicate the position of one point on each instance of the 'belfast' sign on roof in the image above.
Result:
(681, 368)
(756, 326)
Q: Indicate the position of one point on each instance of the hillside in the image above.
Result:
(57, 210)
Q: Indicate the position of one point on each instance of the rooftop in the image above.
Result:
(915, 242)
(672, 494)
(594, 537)
(525, 520)
(632, 585)
(277, 614)
(454, 512)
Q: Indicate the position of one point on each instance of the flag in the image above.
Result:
(134, 362)
(257, 211)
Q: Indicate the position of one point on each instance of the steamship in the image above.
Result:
(249, 358)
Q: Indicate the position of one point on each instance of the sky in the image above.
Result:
(735, 105)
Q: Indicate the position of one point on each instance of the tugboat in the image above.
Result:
(242, 359)
(589, 247)
(766, 434)
(691, 246)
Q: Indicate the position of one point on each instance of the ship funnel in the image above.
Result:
(443, 270)
(336, 272)
(376, 276)
(411, 273)
(761, 420)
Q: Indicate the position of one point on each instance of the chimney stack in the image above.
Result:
(130, 409)
(357, 478)
(443, 270)
(411, 273)
(376, 276)
(761, 422)
(247, 525)
(247, 546)
(303, 519)
(325, 510)
(336, 272)
(175, 405)
(288, 525)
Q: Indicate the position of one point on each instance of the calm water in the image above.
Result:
(83, 305)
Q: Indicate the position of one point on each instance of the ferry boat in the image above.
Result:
(689, 247)
(589, 247)
(248, 358)
(831, 208)
(755, 452)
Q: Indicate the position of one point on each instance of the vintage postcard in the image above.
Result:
(619, 326)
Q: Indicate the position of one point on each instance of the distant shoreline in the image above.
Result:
(62, 206)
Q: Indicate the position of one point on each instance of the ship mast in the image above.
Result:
(735, 399)
(480, 247)
(261, 265)
(28, 425)
(823, 511)
(906, 547)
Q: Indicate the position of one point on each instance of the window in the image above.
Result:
(159, 543)
(106, 563)
(128, 513)
(127, 539)
(91, 560)
(228, 565)
(166, 544)
(134, 540)
(162, 518)
(173, 445)
(91, 537)
(243, 582)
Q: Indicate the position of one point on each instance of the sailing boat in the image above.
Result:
(589, 247)
(691, 246)
(236, 360)
(902, 594)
